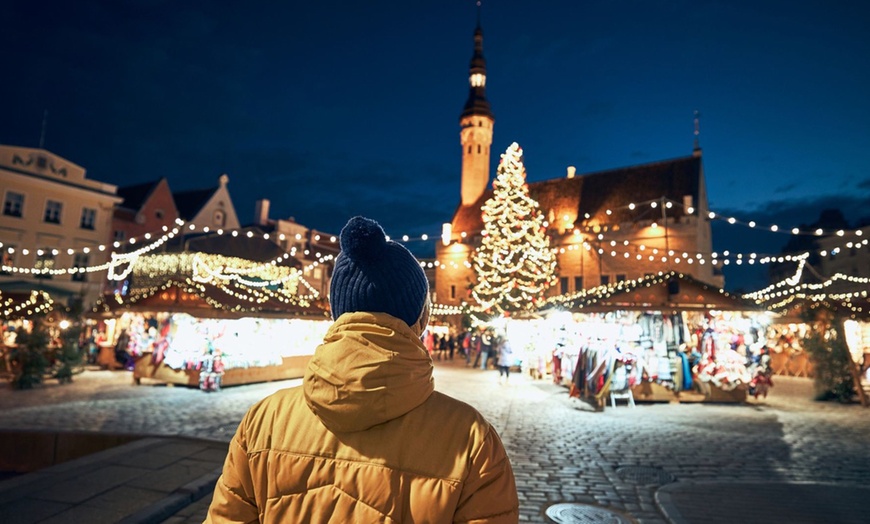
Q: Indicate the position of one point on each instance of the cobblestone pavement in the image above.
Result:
(560, 450)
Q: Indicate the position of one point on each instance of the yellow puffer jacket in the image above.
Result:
(365, 439)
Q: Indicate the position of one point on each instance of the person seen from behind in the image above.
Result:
(366, 438)
(505, 360)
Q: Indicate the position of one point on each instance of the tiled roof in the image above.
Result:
(595, 193)
(189, 203)
(252, 248)
(136, 195)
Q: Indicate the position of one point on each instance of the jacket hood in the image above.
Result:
(369, 369)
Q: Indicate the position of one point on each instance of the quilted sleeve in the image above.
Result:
(489, 494)
(234, 500)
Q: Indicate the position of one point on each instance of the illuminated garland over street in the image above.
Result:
(514, 263)
(261, 282)
(10, 307)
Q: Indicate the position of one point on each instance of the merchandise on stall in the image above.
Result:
(695, 344)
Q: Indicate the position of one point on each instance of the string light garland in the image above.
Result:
(120, 262)
(38, 301)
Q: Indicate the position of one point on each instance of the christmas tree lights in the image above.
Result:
(514, 264)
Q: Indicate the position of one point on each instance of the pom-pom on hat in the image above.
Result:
(375, 275)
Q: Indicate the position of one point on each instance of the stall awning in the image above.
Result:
(203, 301)
(24, 287)
(666, 292)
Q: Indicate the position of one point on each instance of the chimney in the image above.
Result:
(261, 212)
(571, 171)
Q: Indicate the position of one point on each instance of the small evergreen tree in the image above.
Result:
(29, 359)
(829, 353)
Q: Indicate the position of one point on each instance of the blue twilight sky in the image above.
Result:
(332, 109)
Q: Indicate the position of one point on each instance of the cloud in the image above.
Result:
(786, 188)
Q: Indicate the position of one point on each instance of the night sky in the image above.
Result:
(332, 109)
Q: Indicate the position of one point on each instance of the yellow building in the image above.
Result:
(55, 223)
(607, 226)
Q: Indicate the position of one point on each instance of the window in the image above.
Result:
(605, 279)
(158, 214)
(478, 148)
(80, 260)
(8, 259)
(53, 208)
(89, 218)
(578, 283)
(620, 277)
(218, 218)
(452, 291)
(13, 205)
(44, 261)
(563, 285)
(120, 235)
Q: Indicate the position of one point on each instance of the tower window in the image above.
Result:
(563, 285)
(469, 149)
(478, 148)
(578, 283)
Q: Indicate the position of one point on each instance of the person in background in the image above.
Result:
(485, 348)
(505, 360)
(122, 355)
(366, 438)
(473, 357)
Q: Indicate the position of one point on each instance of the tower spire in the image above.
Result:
(477, 103)
(475, 122)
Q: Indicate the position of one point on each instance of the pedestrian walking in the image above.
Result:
(473, 357)
(505, 360)
(366, 438)
(485, 348)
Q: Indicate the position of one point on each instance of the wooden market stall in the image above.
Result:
(211, 319)
(703, 342)
(175, 305)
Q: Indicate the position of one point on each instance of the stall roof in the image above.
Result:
(205, 301)
(670, 291)
(796, 307)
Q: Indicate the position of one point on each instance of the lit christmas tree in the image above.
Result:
(514, 263)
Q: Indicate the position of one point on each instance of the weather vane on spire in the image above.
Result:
(697, 129)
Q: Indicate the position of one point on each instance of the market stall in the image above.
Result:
(187, 325)
(665, 337)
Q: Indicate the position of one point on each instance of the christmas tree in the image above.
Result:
(514, 263)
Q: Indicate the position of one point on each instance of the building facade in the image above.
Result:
(146, 208)
(607, 226)
(55, 223)
(315, 250)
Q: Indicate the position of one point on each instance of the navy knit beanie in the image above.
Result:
(375, 275)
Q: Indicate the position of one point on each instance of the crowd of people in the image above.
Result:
(483, 349)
